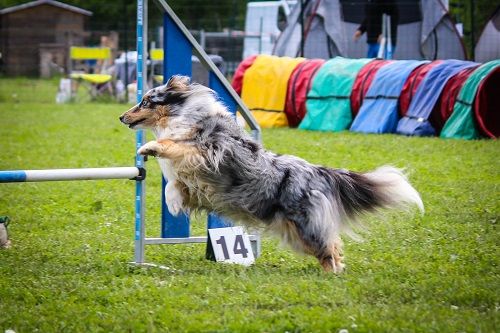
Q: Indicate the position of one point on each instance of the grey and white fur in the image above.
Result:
(212, 164)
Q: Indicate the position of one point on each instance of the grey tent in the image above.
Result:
(425, 31)
(488, 45)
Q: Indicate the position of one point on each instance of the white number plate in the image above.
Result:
(231, 245)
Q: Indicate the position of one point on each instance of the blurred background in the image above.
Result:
(36, 37)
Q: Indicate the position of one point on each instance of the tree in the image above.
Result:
(196, 14)
(473, 14)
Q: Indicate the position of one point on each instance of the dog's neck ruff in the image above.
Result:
(171, 132)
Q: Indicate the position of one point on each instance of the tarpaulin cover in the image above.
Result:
(488, 46)
(411, 85)
(416, 121)
(240, 73)
(461, 124)
(264, 88)
(425, 30)
(299, 85)
(379, 112)
(328, 102)
(444, 106)
(362, 83)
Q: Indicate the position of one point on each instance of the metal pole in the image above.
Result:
(472, 27)
(389, 38)
(140, 185)
(261, 24)
(381, 50)
(203, 57)
(301, 28)
(203, 40)
(145, 48)
(13, 176)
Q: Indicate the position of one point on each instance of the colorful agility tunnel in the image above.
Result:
(416, 120)
(459, 97)
(444, 107)
(476, 110)
(237, 82)
(264, 88)
(379, 112)
(299, 85)
(363, 81)
(328, 102)
(411, 85)
(487, 104)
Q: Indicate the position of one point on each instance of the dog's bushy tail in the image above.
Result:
(385, 187)
(393, 188)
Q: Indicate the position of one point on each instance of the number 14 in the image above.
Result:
(238, 248)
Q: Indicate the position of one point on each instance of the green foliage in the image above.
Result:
(68, 271)
(196, 14)
(474, 14)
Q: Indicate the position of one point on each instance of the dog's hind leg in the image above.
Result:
(328, 252)
(331, 257)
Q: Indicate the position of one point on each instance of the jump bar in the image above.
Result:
(182, 240)
(16, 176)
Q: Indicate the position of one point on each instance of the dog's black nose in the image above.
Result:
(121, 118)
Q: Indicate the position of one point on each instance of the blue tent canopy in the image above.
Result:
(416, 120)
(379, 112)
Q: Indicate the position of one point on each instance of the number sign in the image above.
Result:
(231, 245)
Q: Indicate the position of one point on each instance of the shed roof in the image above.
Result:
(45, 2)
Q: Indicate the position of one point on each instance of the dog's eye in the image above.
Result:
(144, 103)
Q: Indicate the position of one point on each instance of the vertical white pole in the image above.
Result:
(389, 37)
(381, 50)
(145, 48)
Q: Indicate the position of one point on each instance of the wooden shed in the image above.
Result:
(38, 34)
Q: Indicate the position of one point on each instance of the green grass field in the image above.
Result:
(68, 271)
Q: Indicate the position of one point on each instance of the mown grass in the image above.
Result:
(68, 270)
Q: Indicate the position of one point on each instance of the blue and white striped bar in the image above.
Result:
(15, 176)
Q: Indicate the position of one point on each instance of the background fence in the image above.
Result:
(219, 26)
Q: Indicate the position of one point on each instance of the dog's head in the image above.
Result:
(159, 105)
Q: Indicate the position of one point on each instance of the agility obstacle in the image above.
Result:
(16, 176)
(178, 46)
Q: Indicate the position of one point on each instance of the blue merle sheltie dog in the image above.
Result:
(212, 164)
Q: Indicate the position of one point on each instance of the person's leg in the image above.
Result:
(373, 50)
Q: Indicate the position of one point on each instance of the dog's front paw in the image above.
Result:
(152, 148)
(174, 207)
(173, 199)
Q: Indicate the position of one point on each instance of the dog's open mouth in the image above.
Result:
(135, 123)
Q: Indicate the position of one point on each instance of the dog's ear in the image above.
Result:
(178, 82)
(173, 92)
